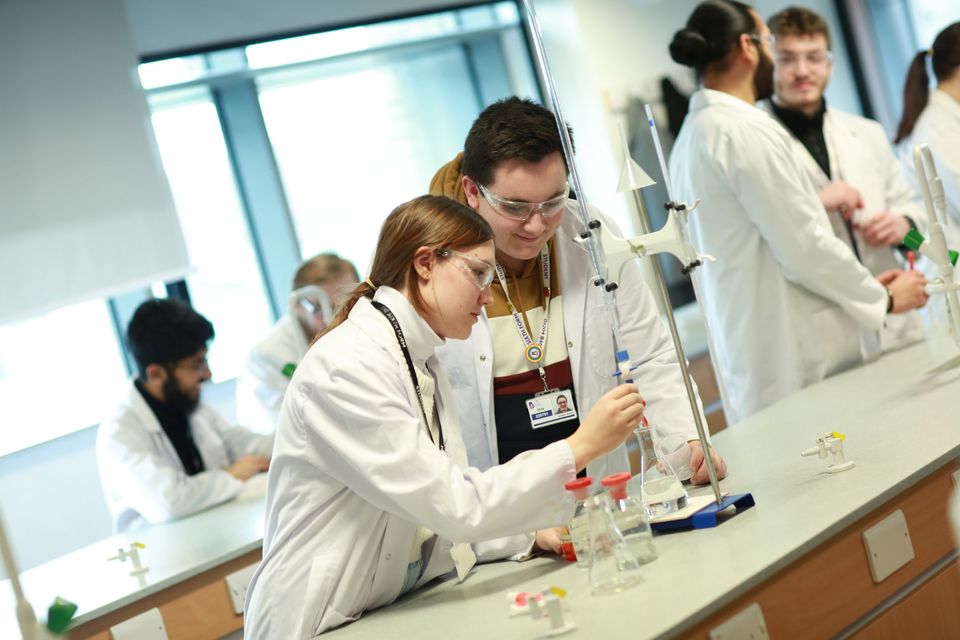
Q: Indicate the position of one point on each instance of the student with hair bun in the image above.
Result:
(786, 301)
(369, 493)
(933, 117)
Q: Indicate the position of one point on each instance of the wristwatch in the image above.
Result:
(889, 299)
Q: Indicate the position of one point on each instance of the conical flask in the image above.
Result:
(663, 491)
(613, 566)
(631, 517)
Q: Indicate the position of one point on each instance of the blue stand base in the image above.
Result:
(707, 517)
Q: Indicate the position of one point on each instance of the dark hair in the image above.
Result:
(163, 331)
(323, 267)
(711, 31)
(945, 58)
(798, 21)
(436, 222)
(513, 128)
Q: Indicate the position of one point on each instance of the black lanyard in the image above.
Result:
(413, 374)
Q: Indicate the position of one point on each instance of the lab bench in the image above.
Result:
(797, 560)
(798, 554)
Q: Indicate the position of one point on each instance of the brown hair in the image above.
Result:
(513, 128)
(797, 21)
(435, 222)
(945, 58)
(323, 267)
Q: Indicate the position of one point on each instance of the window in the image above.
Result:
(345, 163)
(59, 373)
(227, 286)
(321, 136)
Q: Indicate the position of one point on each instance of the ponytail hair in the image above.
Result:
(435, 222)
(710, 33)
(944, 58)
(916, 92)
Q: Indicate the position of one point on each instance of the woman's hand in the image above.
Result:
(608, 425)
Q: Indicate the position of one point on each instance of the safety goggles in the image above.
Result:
(770, 39)
(814, 59)
(480, 272)
(521, 211)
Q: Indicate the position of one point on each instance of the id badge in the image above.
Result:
(551, 408)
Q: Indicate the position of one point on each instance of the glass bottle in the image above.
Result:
(612, 565)
(580, 525)
(631, 518)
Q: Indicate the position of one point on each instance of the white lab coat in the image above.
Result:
(354, 473)
(939, 127)
(261, 386)
(861, 156)
(786, 302)
(587, 330)
(142, 477)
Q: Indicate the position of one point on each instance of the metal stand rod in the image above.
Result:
(681, 357)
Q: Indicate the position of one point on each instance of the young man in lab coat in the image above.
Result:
(318, 288)
(786, 301)
(165, 454)
(847, 157)
(512, 171)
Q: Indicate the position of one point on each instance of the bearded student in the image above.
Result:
(164, 453)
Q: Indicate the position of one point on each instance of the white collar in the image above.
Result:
(704, 97)
(944, 100)
(421, 339)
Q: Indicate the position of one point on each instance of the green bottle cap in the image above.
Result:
(59, 615)
(913, 240)
(953, 257)
(288, 369)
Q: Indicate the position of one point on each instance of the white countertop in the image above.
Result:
(900, 427)
(174, 552)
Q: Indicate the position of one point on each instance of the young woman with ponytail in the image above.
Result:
(933, 117)
(369, 493)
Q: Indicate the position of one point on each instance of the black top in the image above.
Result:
(808, 130)
(176, 424)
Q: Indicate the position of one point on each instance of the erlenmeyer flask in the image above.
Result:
(631, 517)
(612, 565)
(663, 492)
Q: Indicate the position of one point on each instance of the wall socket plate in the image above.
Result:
(888, 546)
(237, 583)
(747, 624)
(146, 626)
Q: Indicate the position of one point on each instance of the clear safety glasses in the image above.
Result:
(521, 211)
(480, 272)
(814, 59)
(770, 39)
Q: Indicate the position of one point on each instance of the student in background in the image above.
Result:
(933, 117)
(165, 454)
(786, 301)
(847, 157)
(319, 286)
